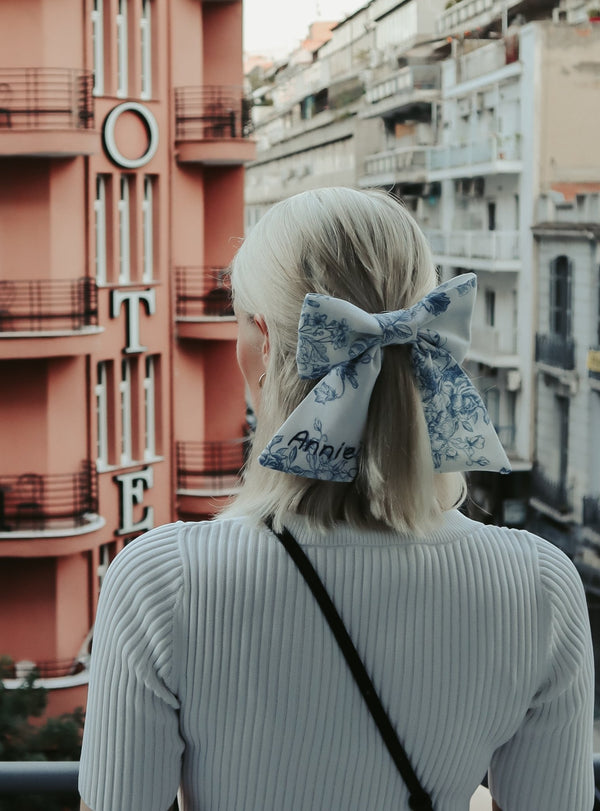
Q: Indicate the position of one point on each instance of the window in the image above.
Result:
(100, 229)
(98, 46)
(124, 229)
(122, 51)
(560, 297)
(126, 412)
(150, 407)
(146, 43)
(598, 313)
(148, 231)
(102, 416)
(490, 307)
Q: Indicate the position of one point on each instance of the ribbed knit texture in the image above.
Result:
(214, 668)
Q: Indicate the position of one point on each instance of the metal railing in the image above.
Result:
(204, 113)
(591, 512)
(210, 466)
(554, 350)
(202, 292)
(19, 777)
(555, 494)
(34, 501)
(46, 98)
(41, 305)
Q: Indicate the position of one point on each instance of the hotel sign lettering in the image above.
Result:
(132, 486)
(132, 299)
(109, 138)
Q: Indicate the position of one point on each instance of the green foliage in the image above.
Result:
(20, 739)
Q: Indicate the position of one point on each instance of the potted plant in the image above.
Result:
(594, 14)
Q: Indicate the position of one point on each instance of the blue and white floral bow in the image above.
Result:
(342, 344)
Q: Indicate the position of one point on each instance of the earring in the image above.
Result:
(261, 380)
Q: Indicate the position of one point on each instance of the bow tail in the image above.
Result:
(460, 430)
(321, 437)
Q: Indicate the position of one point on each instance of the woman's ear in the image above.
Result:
(266, 347)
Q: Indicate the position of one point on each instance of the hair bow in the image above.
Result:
(341, 344)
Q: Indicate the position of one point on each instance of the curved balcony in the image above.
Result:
(33, 505)
(203, 307)
(479, 250)
(47, 112)
(212, 126)
(47, 308)
(207, 472)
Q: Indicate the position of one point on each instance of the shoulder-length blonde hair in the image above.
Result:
(364, 247)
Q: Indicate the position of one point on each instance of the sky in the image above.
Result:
(275, 27)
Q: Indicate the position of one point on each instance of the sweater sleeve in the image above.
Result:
(548, 763)
(131, 755)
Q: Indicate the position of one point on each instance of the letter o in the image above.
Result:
(108, 135)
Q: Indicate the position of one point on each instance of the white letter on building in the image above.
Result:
(133, 298)
(132, 486)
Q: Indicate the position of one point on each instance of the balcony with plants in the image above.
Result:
(47, 112)
(213, 126)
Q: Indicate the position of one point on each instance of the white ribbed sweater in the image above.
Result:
(213, 669)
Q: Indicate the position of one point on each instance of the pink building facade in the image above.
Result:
(123, 137)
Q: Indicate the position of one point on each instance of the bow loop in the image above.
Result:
(341, 344)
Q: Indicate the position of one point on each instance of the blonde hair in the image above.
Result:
(364, 247)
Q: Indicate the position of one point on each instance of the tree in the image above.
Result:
(20, 739)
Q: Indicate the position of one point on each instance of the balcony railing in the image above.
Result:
(555, 494)
(47, 305)
(500, 246)
(494, 149)
(405, 82)
(591, 513)
(202, 292)
(45, 669)
(211, 112)
(554, 350)
(46, 98)
(396, 161)
(31, 501)
(210, 466)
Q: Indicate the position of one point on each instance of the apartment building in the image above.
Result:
(123, 139)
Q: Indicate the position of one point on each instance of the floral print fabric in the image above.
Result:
(341, 345)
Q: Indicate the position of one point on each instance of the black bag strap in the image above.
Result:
(419, 799)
